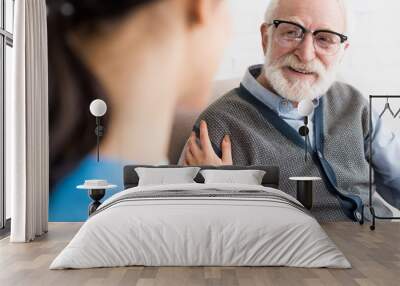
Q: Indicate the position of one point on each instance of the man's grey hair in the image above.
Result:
(274, 4)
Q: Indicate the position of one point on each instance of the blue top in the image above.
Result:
(386, 147)
(69, 204)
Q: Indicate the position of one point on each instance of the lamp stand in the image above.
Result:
(99, 133)
(304, 131)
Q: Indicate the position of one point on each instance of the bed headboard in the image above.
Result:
(271, 177)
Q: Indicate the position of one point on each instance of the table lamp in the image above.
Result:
(98, 108)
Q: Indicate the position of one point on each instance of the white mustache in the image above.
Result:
(291, 60)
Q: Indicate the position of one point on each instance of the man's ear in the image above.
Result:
(346, 46)
(264, 36)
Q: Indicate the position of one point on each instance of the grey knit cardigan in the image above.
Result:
(260, 137)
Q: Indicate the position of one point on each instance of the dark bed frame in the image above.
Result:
(271, 177)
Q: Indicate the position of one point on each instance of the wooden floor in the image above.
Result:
(375, 257)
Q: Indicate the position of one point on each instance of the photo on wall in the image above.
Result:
(271, 84)
(204, 142)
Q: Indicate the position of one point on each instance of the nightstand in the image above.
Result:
(96, 190)
(305, 190)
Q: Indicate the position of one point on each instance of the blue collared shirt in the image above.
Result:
(386, 147)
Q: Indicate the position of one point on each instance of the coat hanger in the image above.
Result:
(387, 107)
(398, 112)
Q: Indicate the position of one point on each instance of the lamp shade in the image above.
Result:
(305, 107)
(98, 108)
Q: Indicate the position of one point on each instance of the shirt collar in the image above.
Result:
(280, 105)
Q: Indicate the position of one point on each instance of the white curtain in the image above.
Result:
(27, 148)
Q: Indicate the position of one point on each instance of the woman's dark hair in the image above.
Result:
(72, 87)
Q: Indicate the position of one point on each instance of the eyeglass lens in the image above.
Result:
(290, 36)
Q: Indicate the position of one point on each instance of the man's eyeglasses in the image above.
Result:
(290, 35)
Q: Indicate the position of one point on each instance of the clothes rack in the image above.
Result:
(387, 107)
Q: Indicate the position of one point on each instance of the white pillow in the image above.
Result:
(166, 176)
(247, 177)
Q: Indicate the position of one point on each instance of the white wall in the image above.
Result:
(245, 47)
(372, 63)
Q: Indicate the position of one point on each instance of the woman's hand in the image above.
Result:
(204, 154)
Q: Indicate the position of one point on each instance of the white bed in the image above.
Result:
(249, 226)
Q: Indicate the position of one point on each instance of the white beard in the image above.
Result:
(299, 90)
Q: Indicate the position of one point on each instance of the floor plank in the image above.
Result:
(375, 257)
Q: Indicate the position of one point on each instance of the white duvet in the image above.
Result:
(206, 231)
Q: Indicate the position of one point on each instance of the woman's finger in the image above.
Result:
(182, 159)
(205, 141)
(193, 146)
(226, 148)
(189, 158)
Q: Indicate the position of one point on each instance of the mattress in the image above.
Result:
(201, 225)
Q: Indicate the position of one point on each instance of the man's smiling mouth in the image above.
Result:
(301, 71)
